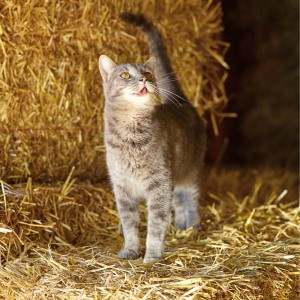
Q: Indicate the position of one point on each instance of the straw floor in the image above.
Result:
(60, 242)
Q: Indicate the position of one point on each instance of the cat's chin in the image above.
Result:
(141, 99)
(138, 99)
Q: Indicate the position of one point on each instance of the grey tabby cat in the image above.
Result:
(155, 143)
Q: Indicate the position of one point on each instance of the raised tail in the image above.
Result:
(165, 76)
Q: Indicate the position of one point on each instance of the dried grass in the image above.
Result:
(51, 98)
(59, 242)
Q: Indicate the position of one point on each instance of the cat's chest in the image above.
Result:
(130, 145)
(129, 166)
(129, 139)
(129, 149)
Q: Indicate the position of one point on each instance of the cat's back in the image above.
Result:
(184, 118)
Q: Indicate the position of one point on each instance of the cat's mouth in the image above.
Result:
(143, 91)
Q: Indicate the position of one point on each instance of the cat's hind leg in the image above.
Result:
(179, 210)
(186, 207)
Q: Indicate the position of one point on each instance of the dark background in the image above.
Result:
(263, 83)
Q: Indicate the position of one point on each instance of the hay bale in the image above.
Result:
(51, 99)
(60, 241)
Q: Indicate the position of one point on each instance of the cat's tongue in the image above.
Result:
(143, 91)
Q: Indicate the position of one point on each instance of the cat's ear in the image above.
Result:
(151, 62)
(105, 66)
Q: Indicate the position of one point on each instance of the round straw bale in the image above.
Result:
(51, 100)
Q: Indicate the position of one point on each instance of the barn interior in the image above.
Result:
(237, 62)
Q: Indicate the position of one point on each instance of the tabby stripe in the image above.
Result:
(127, 205)
(138, 143)
(113, 130)
(113, 145)
(123, 190)
(153, 185)
(161, 214)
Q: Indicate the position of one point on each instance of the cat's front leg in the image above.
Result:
(159, 215)
(129, 215)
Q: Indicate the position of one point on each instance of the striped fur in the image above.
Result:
(154, 147)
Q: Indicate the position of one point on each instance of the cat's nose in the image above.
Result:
(143, 79)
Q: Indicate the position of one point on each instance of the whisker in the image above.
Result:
(175, 95)
(165, 80)
(166, 75)
(167, 99)
(167, 95)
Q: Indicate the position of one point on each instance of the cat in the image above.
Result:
(155, 144)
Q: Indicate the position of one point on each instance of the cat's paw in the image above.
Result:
(150, 259)
(180, 225)
(183, 226)
(126, 253)
(197, 227)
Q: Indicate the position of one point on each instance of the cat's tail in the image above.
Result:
(166, 78)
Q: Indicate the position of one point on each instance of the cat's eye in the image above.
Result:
(125, 75)
(148, 75)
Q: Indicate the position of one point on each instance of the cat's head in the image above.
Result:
(129, 83)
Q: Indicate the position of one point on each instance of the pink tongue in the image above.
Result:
(143, 91)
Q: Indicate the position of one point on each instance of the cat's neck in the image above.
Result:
(129, 113)
(128, 122)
